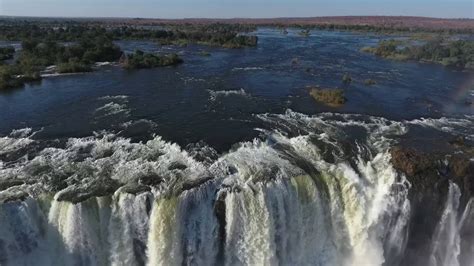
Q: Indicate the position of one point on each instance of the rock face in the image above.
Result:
(430, 173)
(99, 188)
(411, 162)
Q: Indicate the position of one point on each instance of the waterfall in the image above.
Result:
(183, 229)
(77, 233)
(466, 230)
(333, 215)
(22, 234)
(305, 198)
(280, 223)
(286, 222)
(447, 241)
(128, 228)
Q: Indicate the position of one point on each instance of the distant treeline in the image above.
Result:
(375, 28)
(226, 35)
(456, 53)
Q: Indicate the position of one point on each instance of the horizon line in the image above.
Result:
(235, 18)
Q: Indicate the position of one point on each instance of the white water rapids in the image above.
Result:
(289, 199)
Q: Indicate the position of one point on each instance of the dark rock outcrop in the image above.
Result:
(5, 184)
(150, 180)
(429, 173)
(177, 166)
(98, 188)
(135, 189)
(219, 211)
(193, 183)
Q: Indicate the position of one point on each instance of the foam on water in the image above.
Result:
(16, 140)
(215, 94)
(112, 108)
(113, 97)
(247, 68)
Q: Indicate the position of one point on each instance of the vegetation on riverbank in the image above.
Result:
(225, 42)
(216, 34)
(370, 82)
(7, 53)
(456, 53)
(204, 53)
(330, 97)
(11, 77)
(213, 34)
(305, 33)
(388, 30)
(73, 66)
(73, 46)
(37, 54)
(139, 60)
(44, 53)
(7, 81)
(347, 78)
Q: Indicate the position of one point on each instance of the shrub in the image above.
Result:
(74, 66)
(145, 60)
(370, 82)
(8, 78)
(204, 53)
(31, 76)
(347, 78)
(331, 97)
(6, 53)
(459, 53)
(305, 33)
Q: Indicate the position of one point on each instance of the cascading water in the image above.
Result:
(446, 246)
(183, 229)
(318, 197)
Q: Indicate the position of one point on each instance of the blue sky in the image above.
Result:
(235, 8)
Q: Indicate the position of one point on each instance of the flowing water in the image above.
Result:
(116, 183)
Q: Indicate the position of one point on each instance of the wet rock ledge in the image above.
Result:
(430, 172)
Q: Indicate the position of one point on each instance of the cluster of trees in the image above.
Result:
(7, 53)
(453, 53)
(217, 34)
(385, 48)
(36, 54)
(74, 65)
(13, 77)
(224, 35)
(459, 53)
(139, 59)
(305, 33)
(7, 79)
(86, 51)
